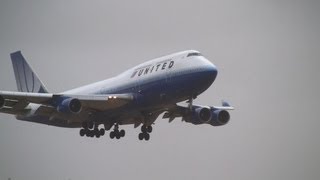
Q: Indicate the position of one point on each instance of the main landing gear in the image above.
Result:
(145, 132)
(116, 133)
(90, 130)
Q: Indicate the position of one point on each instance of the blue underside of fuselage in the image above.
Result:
(152, 95)
(175, 88)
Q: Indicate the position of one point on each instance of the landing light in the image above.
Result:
(112, 97)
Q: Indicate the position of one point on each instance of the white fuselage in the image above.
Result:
(157, 69)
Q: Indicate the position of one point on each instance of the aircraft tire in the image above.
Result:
(87, 133)
(141, 136)
(112, 134)
(97, 135)
(146, 136)
(96, 131)
(102, 132)
(122, 133)
(92, 134)
(143, 129)
(82, 132)
(118, 135)
(149, 129)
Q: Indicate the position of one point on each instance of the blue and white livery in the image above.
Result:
(137, 96)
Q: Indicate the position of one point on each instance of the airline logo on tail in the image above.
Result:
(27, 80)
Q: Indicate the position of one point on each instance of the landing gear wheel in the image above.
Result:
(122, 133)
(102, 132)
(141, 136)
(112, 134)
(118, 135)
(96, 131)
(92, 134)
(82, 132)
(144, 129)
(90, 125)
(87, 132)
(149, 129)
(97, 135)
(146, 136)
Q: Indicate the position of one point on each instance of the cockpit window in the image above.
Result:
(194, 54)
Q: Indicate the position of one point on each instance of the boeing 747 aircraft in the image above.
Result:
(137, 96)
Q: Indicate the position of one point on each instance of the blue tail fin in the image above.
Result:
(27, 80)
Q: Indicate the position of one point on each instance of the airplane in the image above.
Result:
(135, 97)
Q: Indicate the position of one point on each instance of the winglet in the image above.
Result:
(27, 80)
(225, 103)
(225, 106)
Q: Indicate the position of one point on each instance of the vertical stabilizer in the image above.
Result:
(27, 80)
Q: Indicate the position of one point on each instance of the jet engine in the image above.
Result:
(207, 115)
(1, 102)
(199, 115)
(203, 114)
(219, 117)
(70, 105)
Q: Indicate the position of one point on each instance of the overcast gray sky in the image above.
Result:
(267, 53)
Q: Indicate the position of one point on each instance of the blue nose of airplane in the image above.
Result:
(212, 72)
(208, 75)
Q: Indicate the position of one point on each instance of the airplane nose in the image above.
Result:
(209, 75)
(213, 72)
(209, 72)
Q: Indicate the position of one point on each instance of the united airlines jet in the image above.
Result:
(137, 97)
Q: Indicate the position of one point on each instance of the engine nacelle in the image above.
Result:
(70, 105)
(219, 117)
(203, 114)
(199, 115)
(2, 102)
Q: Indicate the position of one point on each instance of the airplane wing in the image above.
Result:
(17, 101)
(225, 106)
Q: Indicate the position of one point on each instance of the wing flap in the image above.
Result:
(13, 111)
(28, 97)
(16, 102)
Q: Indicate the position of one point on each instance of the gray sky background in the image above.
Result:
(267, 53)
